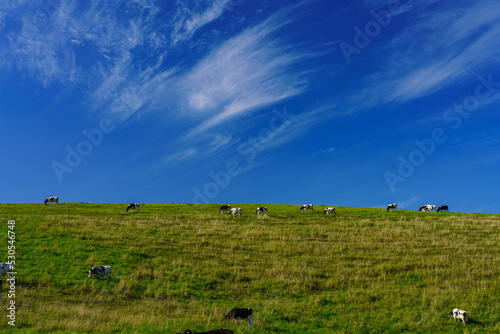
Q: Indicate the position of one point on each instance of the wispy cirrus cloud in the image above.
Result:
(434, 52)
(190, 17)
(119, 54)
(73, 43)
(410, 204)
(251, 70)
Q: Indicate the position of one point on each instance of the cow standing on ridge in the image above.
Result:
(261, 209)
(51, 199)
(443, 208)
(392, 206)
(328, 211)
(306, 207)
(225, 208)
(427, 207)
(133, 206)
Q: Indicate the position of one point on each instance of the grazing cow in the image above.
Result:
(306, 207)
(6, 268)
(459, 315)
(225, 208)
(261, 209)
(235, 210)
(427, 207)
(133, 206)
(217, 331)
(50, 200)
(392, 206)
(329, 210)
(100, 271)
(443, 208)
(240, 314)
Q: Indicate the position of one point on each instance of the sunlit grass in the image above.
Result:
(178, 266)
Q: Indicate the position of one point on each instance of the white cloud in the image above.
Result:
(438, 50)
(250, 70)
(328, 150)
(409, 204)
(119, 55)
(188, 21)
(178, 156)
(438, 74)
(219, 141)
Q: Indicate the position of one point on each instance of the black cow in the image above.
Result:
(225, 208)
(443, 208)
(216, 331)
(240, 314)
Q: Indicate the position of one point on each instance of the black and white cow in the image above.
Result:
(261, 209)
(240, 314)
(427, 207)
(328, 211)
(133, 206)
(6, 268)
(51, 199)
(443, 208)
(392, 206)
(225, 208)
(306, 207)
(459, 315)
(100, 271)
(217, 331)
(233, 211)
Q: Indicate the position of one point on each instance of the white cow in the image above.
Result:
(305, 207)
(329, 210)
(427, 207)
(459, 315)
(392, 206)
(51, 199)
(235, 210)
(261, 209)
(100, 271)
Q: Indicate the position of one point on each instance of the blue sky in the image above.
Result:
(346, 103)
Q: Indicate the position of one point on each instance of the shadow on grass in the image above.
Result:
(475, 322)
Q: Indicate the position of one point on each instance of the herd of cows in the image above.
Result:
(244, 313)
(425, 207)
(262, 210)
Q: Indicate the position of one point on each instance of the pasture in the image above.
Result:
(179, 266)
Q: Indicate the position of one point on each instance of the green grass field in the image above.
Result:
(179, 266)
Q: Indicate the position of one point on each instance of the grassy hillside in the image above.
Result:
(178, 266)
